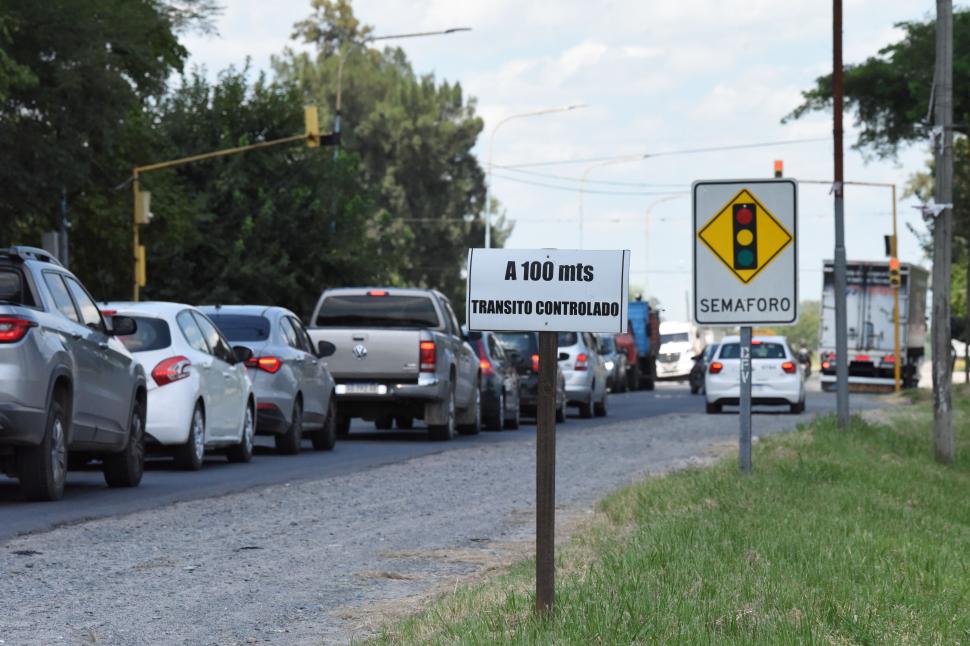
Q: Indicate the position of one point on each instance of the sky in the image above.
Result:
(655, 78)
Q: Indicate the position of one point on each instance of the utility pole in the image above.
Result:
(841, 331)
(942, 233)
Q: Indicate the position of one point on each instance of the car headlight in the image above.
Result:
(609, 365)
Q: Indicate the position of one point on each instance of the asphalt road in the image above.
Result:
(87, 496)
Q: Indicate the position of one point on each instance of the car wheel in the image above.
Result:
(633, 378)
(343, 426)
(712, 409)
(384, 423)
(446, 431)
(497, 421)
(190, 456)
(798, 408)
(125, 469)
(561, 411)
(43, 468)
(648, 383)
(600, 407)
(694, 390)
(586, 408)
(326, 437)
(475, 426)
(288, 442)
(404, 422)
(243, 452)
(512, 423)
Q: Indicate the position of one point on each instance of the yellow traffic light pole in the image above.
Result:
(897, 368)
(140, 215)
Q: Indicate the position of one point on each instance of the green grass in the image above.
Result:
(854, 537)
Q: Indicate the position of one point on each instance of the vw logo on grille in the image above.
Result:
(360, 351)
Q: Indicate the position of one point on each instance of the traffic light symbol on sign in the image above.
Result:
(745, 236)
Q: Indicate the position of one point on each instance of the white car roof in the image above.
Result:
(160, 309)
(764, 339)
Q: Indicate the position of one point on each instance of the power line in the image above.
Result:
(665, 153)
(596, 181)
(572, 189)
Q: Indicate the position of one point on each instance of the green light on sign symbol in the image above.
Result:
(745, 258)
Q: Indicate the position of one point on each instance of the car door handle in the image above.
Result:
(299, 360)
(103, 345)
(77, 336)
(226, 375)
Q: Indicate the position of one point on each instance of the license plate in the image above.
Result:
(365, 389)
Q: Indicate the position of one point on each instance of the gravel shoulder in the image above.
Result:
(325, 561)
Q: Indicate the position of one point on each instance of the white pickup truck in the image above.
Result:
(400, 355)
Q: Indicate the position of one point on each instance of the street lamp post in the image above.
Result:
(345, 52)
(491, 145)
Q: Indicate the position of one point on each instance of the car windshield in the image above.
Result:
(674, 337)
(150, 334)
(377, 311)
(567, 339)
(609, 345)
(240, 328)
(522, 343)
(759, 350)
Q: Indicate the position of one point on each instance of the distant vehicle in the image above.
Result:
(500, 382)
(640, 342)
(67, 384)
(616, 363)
(522, 349)
(697, 372)
(775, 377)
(585, 372)
(199, 395)
(294, 390)
(399, 356)
(869, 300)
(676, 356)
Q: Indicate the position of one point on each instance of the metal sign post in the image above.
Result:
(547, 291)
(744, 443)
(546, 473)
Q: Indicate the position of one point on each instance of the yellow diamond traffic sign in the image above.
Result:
(745, 236)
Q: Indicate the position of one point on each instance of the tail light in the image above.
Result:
(271, 365)
(427, 357)
(788, 367)
(715, 367)
(13, 329)
(581, 361)
(484, 364)
(889, 358)
(535, 363)
(862, 357)
(171, 370)
(377, 292)
(826, 365)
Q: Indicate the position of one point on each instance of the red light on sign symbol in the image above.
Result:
(743, 216)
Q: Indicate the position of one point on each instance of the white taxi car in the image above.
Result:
(775, 377)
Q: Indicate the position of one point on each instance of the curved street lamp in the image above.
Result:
(491, 145)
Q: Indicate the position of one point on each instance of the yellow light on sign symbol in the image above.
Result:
(745, 237)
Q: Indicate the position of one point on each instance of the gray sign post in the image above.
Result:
(745, 267)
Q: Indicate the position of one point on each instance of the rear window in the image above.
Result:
(523, 343)
(608, 344)
(377, 311)
(567, 339)
(758, 351)
(240, 328)
(151, 334)
(13, 289)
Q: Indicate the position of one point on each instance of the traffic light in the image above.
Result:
(312, 126)
(745, 236)
(779, 168)
(143, 207)
(894, 278)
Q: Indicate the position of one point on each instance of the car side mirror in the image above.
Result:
(123, 326)
(563, 356)
(325, 349)
(241, 353)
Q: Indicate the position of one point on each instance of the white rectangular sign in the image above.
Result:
(745, 252)
(547, 290)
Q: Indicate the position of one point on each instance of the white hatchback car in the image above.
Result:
(775, 375)
(200, 395)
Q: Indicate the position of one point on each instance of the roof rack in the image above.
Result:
(30, 253)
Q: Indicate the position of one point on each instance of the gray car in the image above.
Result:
(66, 383)
(585, 371)
(294, 390)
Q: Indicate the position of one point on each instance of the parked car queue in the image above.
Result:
(82, 382)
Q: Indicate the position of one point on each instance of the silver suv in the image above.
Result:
(585, 371)
(66, 383)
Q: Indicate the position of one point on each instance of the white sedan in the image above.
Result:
(200, 395)
(775, 377)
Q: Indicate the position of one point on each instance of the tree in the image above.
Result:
(414, 138)
(890, 92)
(72, 72)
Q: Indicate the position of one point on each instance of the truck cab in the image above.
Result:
(676, 356)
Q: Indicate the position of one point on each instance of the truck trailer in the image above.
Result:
(869, 309)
